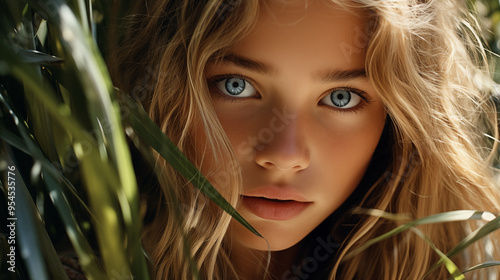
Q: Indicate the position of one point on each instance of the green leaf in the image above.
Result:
(452, 216)
(97, 88)
(481, 232)
(87, 258)
(34, 245)
(450, 266)
(12, 14)
(13, 139)
(148, 157)
(106, 169)
(36, 57)
(150, 133)
(483, 265)
(100, 178)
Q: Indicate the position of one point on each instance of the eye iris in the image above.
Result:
(341, 98)
(235, 86)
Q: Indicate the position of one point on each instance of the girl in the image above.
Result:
(297, 112)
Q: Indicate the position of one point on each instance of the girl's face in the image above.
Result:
(301, 115)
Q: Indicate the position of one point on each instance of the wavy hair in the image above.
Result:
(430, 69)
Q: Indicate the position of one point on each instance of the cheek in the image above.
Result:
(243, 127)
(215, 166)
(353, 141)
(344, 151)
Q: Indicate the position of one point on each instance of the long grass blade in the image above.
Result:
(449, 264)
(36, 57)
(492, 225)
(108, 229)
(87, 258)
(91, 73)
(481, 232)
(149, 159)
(38, 254)
(82, 57)
(149, 132)
(27, 145)
(452, 216)
(483, 265)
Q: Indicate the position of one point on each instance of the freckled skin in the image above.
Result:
(286, 134)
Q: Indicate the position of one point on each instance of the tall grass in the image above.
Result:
(65, 155)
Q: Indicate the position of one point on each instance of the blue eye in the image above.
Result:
(342, 99)
(235, 87)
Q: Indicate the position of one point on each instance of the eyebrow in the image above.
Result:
(334, 75)
(249, 64)
(341, 75)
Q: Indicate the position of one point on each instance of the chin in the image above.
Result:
(278, 237)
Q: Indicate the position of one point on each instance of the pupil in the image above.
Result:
(235, 86)
(340, 98)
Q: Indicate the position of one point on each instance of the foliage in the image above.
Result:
(489, 15)
(67, 170)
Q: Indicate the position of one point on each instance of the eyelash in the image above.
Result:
(355, 109)
(213, 80)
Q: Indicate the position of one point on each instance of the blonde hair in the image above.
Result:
(429, 68)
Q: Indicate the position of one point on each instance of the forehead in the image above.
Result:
(314, 32)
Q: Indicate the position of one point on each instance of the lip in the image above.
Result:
(277, 192)
(275, 203)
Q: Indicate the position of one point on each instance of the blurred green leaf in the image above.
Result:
(34, 245)
(88, 260)
(483, 265)
(36, 57)
(106, 168)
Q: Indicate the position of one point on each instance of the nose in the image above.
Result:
(286, 148)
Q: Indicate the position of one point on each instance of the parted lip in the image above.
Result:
(277, 192)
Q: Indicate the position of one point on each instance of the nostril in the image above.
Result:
(267, 164)
(289, 167)
(297, 167)
(288, 151)
(282, 167)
